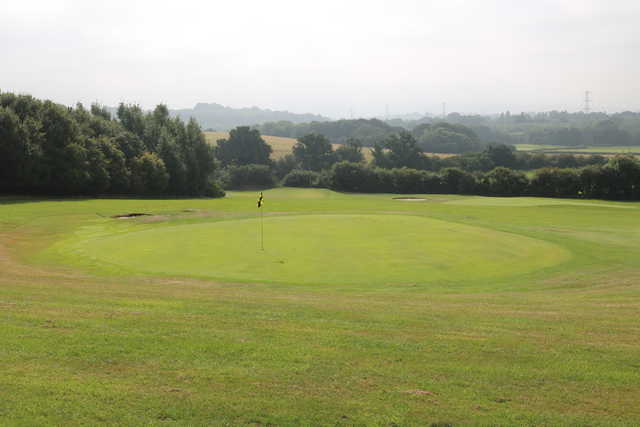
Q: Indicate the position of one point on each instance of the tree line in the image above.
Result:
(618, 179)
(439, 137)
(48, 148)
(400, 166)
(545, 128)
(457, 133)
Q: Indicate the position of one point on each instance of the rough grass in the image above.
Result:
(86, 344)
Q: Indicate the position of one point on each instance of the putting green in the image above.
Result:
(325, 249)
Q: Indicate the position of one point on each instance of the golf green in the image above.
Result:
(325, 249)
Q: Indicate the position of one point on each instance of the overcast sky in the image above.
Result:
(326, 57)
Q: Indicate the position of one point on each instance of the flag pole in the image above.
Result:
(261, 222)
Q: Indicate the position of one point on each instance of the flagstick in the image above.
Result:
(261, 230)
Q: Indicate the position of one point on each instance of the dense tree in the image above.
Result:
(243, 146)
(356, 177)
(301, 178)
(314, 152)
(248, 176)
(148, 174)
(50, 148)
(447, 138)
(351, 151)
(284, 165)
(457, 181)
(624, 175)
(554, 182)
(502, 155)
(502, 181)
(16, 161)
(368, 131)
(399, 151)
(618, 179)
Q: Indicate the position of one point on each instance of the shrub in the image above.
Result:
(243, 176)
(505, 182)
(214, 190)
(554, 182)
(301, 178)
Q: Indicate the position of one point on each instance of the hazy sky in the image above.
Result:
(327, 56)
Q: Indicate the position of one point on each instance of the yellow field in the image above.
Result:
(281, 145)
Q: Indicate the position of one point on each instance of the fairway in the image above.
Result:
(327, 249)
(361, 310)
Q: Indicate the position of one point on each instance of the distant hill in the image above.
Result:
(367, 131)
(220, 118)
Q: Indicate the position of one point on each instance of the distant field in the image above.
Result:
(584, 150)
(282, 145)
(361, 310)
(533, 147)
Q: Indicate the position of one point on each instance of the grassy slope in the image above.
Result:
(84, 345)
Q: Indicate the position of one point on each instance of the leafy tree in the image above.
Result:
(284, 165)
(66, 166)
(301, 178)
(50, 148)
(624, 175)
(457, 181)
(397, 151)
(132, 119)
(347, 176)
(172, 156)
(502, 181)
(15, 151)
(351, 151)
(244, 146)
(368, 131)
(314, 152)
(412, 181)
(248, 176)
(554, 182)
(502, 155)
(116, 165)
(149, 174)
(199, 159)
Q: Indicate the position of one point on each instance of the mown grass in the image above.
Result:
(89, 343)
